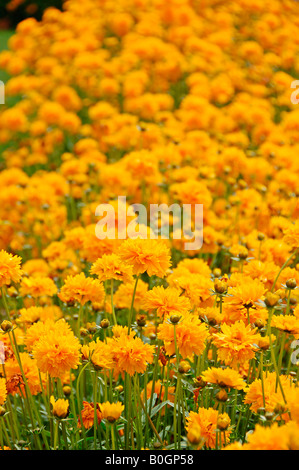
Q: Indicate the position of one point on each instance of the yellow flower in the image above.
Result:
(130, 354)
(236, 343)
(112, 267)
(287, 323)
(3, 391)
(100, 354)
(228, 378)
(166, 301)
(111, 411)
(205, 423)
(37, 286)
(191, 335)
(60, 407)
(151, 256)
(10, 269)
(291, 235)
(268, 438)
(255, 395)
(81, 289)
(31, 372)
(58, 350)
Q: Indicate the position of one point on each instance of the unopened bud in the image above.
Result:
(184, 367)
(259, 323)
(221, 396)
(220, 286)
(269, 415)
(217, 272)
(141, 320)
(67, 390)
(92, 327)
(105, 323)
(271, 299)
(291, 283)
(199, 382)
(223, 422)
(194, 436)
(280, 408)
(6, 326)
(175, 319)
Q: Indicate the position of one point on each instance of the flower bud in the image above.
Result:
(141, 320)
(6, 326)
(220, 286)
(269, 415)
(199, 382)
(184, 367)
(223, 422)
(67, 390)
(259, 323)
(175, 319)
(83, 332)
(92, 327)
(105, 323)
(222, 396)
(194, 436)
(271, 299)
(291, 283)
(217, 272)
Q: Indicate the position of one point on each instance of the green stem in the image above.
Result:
(132, 306)
(282, 268)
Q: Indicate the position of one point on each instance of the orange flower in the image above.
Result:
(236, 343)
(151, 256)
(123, 295)
(228, 378)
(88, 415)
(10, 270)
(291, 235)
(58, 350)
(30, 370)
(287, 323)
(268, 438)
(246, 294)
(60, 407)
(112, 267)
(131, 354)
(100, 354)
(81, 289)
(38, 286)
(167, 301)
(35, 331)
(30, 315)
(206, 421)
(191, 335)
(111, 411)
(3, 391)
(272, 392)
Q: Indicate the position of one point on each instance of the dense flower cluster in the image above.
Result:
(135, 341)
